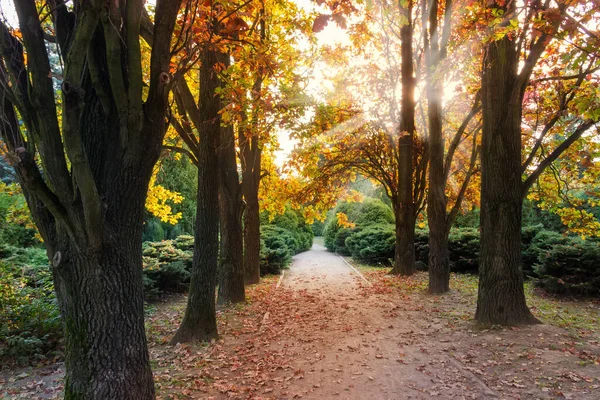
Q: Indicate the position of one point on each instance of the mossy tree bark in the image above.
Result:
(89, 202)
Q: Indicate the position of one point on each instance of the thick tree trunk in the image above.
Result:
(251, 162)
(501, 298)
(231, 278)
(405, 212)
(199, 321)
(100, 298)
(90, 211)
(439, 263)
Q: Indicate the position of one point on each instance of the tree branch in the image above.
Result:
(181, 150)
(475, 109)
(581, 129)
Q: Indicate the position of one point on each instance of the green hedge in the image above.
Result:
(572, 268)
(278, 245)
(557, 263)
(373, 244)
(283, 236)
(167, 266)
(369, 212)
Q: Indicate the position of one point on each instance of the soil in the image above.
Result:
(325, 331)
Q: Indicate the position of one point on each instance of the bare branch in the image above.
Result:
(581, 129)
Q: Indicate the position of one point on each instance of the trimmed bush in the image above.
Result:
(368, 213)
(373, 244)
(463, 246)
(167, 266)
(278, 245)
(536, 245)
(293, 221)
(318, 227)
(281, 237)
(571, 268)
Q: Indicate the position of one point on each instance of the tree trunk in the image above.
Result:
(405, 213)
(231, 278)
(90, 210)
(501, 298)
(404, 247)
(439, 263)
(199, 321)
(101, 298)
(251, 167)
(252, 236)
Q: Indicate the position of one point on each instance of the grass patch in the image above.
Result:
(579, 317)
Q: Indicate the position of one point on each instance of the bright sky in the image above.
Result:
(331, 35)
(7, 12)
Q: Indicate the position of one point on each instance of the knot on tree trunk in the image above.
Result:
(72, 93)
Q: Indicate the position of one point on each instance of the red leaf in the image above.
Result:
(321, 22)
(340, 20)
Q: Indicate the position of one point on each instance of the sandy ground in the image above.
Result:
(324, 331)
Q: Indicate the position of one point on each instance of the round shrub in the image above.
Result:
(463, 246)
(367, 213)
(534, 247)
(277, 248)
(373, 244)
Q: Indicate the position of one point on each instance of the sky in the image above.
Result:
(7, 11)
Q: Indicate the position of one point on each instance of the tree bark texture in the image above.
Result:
(501, 298)
(439, 262)
(250, 186)
(405, 214)
(231, 277)
(89, 201)
(199, 321)
(404, 244)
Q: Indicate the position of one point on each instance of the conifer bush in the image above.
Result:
(570, 268)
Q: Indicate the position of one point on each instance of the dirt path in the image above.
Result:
(331, 334)
(324, 331)
(355, 345)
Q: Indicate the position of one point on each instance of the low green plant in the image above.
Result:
(373, 244)
(30, 325)
(570, 268)
(277, 248)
